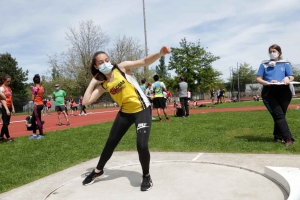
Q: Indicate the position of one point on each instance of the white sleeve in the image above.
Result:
(162, 85)
(2, 89)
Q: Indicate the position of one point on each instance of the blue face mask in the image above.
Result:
(105, 68)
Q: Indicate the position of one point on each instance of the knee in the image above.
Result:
(142, 147)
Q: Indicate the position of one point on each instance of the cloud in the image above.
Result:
(237, 31)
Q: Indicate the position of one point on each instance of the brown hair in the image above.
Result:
(277, 47)
(4, 78)
(95, 72)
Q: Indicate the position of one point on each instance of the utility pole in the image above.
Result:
(145, 33)
(230, 83)
(238, 73)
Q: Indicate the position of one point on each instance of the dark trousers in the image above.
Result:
(277, 99)
(82, 109)
(36, 119)
(5, 123)
(122, 123)
(184, 106)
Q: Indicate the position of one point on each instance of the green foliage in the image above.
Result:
(161, 69)
(244, 75)
(296, 72)
(193, 62)
(9, 65)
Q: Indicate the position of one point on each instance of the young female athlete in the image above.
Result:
(7, 107)
(37, 94)
(135, 108)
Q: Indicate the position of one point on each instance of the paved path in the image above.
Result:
(176, 175)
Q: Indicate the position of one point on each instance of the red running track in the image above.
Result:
(17, 127)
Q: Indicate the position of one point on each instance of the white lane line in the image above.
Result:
(198, 156)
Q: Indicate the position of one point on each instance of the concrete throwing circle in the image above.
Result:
(174, 180)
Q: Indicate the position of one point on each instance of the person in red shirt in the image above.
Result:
(7, 107)
(169, 96)
(48, 106)
(37, 93)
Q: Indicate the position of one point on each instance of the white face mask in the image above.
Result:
(105, 68)
(274, 55)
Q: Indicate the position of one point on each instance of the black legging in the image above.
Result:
(123, 121)
(184, 106)
(277, 99)
(5, 122)
(36, 119)
(82, 108)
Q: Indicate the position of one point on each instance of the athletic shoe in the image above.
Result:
(39, 137)
(168, 119)
(2, 138)
(59, 124)
(90, 179)
(10, 140)
(146, 183)
(32, 136)
(153, 118)
(68, 123)
(288, 142)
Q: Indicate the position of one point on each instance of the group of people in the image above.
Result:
(135, 106)
(220, 93)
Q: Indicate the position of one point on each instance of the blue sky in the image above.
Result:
(235, 30)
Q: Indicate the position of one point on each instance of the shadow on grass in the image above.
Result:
(251, 138)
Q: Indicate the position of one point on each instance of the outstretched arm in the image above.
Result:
(145, 61)
(92, 94)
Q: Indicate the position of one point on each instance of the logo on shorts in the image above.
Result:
(141, 125)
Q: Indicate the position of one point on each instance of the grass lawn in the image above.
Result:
(25, 160)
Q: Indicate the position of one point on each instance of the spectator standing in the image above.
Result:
(169, 96)
(212, 96)
(218, 95)
(277, 97)
(82, 107)
(49, 107)
(7, 106)
(45, 107)
(143, 85)
(159, 100)
(59, 98)
(182, 88)
(37, 93)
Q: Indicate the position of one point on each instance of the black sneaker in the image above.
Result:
(89, 180)
(146, 183)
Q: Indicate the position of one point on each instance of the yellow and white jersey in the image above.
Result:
(125, 90)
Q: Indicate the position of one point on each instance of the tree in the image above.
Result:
(190, 61)
(71, 69)
(128, 48)
(296, 72)
(241, 76)
(9, 65)
(161, 69)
